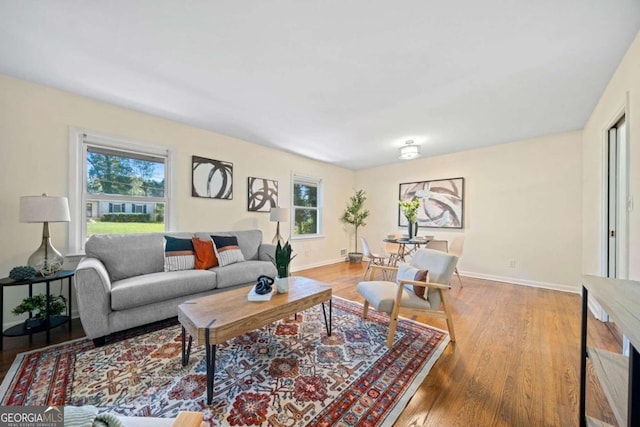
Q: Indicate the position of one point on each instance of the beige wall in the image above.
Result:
(622, 93)
(522, 203)
(536, 202)
(34, 158)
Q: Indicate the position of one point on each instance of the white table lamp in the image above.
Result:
(46, 259)
(278, 215)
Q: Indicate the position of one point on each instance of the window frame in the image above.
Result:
(297, 178)
(79, 140)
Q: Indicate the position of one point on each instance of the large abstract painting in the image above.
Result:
(441, 202)
(262, 194)
(212, 179)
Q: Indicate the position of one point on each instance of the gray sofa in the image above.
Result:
(122, 283)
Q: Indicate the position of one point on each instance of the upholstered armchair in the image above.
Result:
(421, 288)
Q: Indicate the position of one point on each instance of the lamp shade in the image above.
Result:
(279, 215)
(44, 209)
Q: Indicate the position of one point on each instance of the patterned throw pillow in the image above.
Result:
(407, 272)
(205, 255)
(227, 250)
(178, 254)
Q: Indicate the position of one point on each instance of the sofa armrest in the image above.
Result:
(265, 250)
(93, 292)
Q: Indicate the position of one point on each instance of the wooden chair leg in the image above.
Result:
(393, 322)
(367, 270)
(459, 279)
(392, 330)
(445, 306)
(365, 310)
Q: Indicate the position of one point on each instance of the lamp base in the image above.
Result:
(46, 259)
(277, 238)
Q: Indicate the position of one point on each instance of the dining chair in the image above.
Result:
(392, 251)
(429, 274)
(438, 245)
(374, 259)
(457, 245)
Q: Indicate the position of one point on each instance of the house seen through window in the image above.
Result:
(124, 191)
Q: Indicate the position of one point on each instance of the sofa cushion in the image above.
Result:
(143, 290)
(248, 240)
(243, 272)
(128, 255)
(178, 254)
(227, 250)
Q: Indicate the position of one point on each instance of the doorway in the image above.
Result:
(616, 199)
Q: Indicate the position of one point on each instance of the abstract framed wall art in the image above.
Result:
(212, 179)
(262, 194)
(441, 202)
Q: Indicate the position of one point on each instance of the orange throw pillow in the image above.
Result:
(205, 257)
(407, 272)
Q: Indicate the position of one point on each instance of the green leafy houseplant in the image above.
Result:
(355, 214)
(410, 210)
(283, 258)
(38, 305)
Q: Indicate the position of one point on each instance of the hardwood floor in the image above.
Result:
(515, 361)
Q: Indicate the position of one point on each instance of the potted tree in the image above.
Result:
(37, 305)
(355, 214)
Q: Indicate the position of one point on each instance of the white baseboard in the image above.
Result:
(524, 282)
(597, 310)
(318, 264)
(503, 279)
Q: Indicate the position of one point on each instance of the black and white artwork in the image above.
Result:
(262, 194)
(441, 202)
(211, 179)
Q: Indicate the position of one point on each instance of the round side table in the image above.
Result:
(50, 321)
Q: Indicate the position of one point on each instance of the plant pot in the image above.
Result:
(282, 284)
(33, 323)
(355, 257)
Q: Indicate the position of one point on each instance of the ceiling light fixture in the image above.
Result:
(409, 151)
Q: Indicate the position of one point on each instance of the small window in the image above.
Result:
(116, 207)
(306, 206)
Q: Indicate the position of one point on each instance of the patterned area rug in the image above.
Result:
(287, 374)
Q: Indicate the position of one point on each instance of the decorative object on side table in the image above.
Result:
(355, 214)
(22, 272)
(410, 210)
(46, 259)
(284, 255)
(38, 304)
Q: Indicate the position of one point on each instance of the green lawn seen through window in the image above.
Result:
(100, 227)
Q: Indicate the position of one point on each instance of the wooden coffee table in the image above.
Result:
(214, 319)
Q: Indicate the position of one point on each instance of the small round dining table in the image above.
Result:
(408, 246)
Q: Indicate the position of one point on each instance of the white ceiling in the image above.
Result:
(342, 81)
